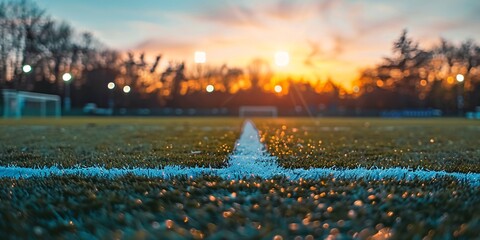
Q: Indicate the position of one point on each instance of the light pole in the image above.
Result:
(281, 59)
(25, 70)
(126, 89)
(200, 58)
(19, 79)
(460, 103)
(111, 87)
(66, 100)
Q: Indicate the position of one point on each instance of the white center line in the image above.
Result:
(249, 159)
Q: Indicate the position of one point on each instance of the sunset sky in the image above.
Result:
(324, 38)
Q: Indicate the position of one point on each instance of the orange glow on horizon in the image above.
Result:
(293, 63)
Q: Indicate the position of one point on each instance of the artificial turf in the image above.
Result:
(118, 142)
(132, 207)
(433, 144)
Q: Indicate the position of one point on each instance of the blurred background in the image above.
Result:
(308, 58)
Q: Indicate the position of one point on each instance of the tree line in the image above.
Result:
(445, 77)
(29, 36)
(411, 78)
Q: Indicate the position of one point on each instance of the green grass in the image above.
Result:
(132, 207)
(140, 208)
(118, 142)
(434, 144)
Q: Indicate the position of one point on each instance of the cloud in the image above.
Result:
(324, 7)
(329, 36)
(232, 15)
(389, 23)
(168, 47)
(289, 10)
(347, 29)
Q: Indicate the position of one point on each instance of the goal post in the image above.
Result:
(258, 111)
(17, 104)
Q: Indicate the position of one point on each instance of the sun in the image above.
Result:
(282, 58)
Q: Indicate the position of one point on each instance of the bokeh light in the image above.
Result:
(111, 85)
(27, 68)
(460, 78)
(380, 83)
(210, 88)
(450, 80)
(67, 77)
(356, 89)
(278, 89)
(126, 89)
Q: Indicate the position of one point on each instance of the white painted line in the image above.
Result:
(249, 159)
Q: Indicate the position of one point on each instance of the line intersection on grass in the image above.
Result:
(249, 159)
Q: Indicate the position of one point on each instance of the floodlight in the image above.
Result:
(200, 57)
(27, 68)
(460, 78)
(210, 88)
(278, 89)
(67, 77)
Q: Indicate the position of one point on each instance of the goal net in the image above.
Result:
(258, 111)
(17, 104)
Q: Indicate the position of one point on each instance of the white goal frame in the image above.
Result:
(246, 111)
(14, 103)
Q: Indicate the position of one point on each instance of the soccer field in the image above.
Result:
(230, 178)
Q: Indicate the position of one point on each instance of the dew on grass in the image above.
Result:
(358, 203)
(277, 237)
(169, 224)
(352, 214)
(38, 230)
(293, 226)
(155, 225)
